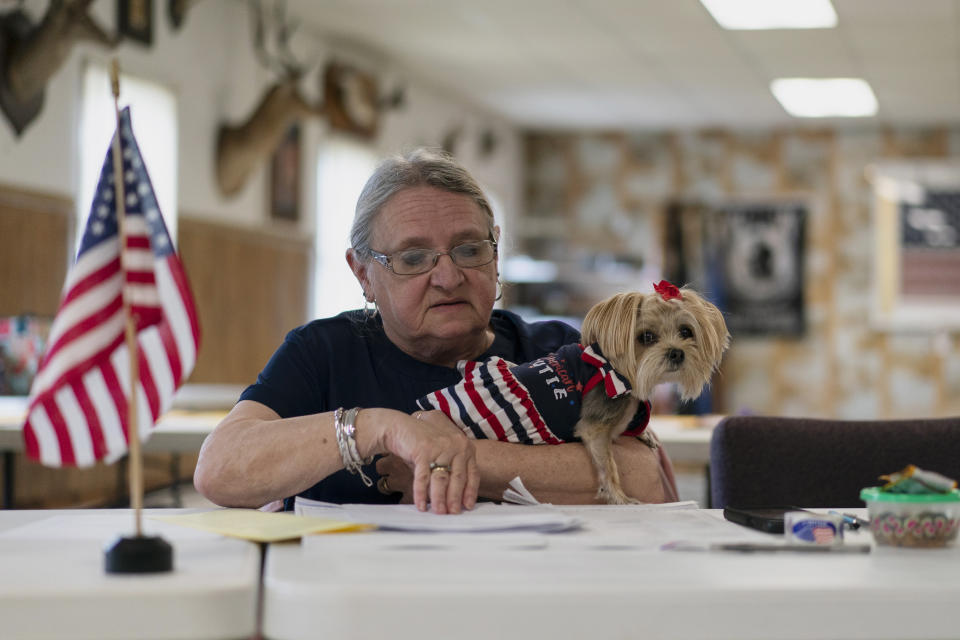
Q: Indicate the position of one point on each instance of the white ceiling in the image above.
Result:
(652, 63)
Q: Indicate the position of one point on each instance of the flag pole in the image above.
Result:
(135, 458)
(139, 554)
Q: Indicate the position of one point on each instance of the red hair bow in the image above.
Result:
(667, 291)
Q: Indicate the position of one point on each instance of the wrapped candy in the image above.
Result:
(916, 480)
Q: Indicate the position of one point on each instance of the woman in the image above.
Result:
(339, 391)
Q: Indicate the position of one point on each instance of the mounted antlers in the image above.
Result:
(34, 54)
(241, 148)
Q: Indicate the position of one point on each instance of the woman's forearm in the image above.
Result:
(254, 457)
(563, 473)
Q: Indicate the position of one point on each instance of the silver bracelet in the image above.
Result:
(345, 426)
(350, 432)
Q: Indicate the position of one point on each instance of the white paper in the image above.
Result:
(641, 528)
(516, 493)
(651, 527)
(485, 517)
(413, 542)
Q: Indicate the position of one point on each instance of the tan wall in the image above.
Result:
(602, 190)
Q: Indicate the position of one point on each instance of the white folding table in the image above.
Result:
(53, 583)
(602, 584)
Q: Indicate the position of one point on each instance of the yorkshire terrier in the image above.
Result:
(599, 390)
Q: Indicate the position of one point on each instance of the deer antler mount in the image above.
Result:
(241, 148)
(351, 100)
(31, 54)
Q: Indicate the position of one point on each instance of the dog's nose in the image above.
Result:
(675, 356)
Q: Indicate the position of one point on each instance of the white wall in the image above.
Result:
(428, 116)
(210, 66)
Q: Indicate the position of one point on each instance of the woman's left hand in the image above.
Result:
(395, 477)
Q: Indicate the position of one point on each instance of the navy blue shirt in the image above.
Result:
(347, 361)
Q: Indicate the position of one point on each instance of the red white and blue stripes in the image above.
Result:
(536, 402)
(78, 402)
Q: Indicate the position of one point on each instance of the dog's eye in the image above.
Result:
(686, 332)
(648, 337)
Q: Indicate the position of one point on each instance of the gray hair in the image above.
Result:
(420, 167)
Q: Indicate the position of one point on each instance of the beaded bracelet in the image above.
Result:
(345, 426)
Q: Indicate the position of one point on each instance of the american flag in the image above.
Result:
(78, 410)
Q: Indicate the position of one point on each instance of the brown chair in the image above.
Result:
(773, 461)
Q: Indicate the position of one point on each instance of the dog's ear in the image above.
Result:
(613, 325)
(714, 337)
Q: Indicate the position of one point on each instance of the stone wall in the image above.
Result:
(606, 198)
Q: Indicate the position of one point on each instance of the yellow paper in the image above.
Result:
(258, 526)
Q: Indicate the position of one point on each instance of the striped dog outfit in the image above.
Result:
(531, 403)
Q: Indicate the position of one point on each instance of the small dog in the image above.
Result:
(597, 392)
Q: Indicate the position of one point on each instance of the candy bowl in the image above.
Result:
(925, 520)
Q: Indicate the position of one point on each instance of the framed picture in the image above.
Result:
(755, 255)
(285, 177)
(916, 270)
(135, 20)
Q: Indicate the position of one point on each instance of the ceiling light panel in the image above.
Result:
(772, 14)
(825, 97)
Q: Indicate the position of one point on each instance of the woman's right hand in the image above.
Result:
(429, 437)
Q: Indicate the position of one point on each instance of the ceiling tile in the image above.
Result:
(649, 63)
(908, 13)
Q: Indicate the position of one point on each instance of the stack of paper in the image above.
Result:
(485, 517)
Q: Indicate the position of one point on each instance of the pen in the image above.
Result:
(750, 547)
(852, 521)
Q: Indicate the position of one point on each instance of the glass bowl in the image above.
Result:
(912, 519)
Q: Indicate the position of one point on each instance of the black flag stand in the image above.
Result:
(137, 554)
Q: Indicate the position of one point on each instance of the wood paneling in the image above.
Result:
(39, 487)
(251, 287)
(35, 232)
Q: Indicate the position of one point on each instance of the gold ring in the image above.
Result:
(439, 467)
(383, 487)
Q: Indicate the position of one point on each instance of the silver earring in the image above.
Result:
(368, 310)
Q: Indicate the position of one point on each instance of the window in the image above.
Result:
(342, 169)
(153, 113)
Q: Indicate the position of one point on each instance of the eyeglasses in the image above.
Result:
(409, 262)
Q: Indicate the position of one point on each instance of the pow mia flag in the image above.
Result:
(757, 254)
